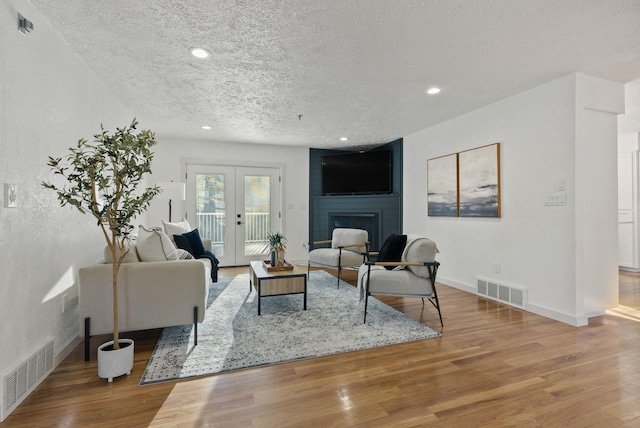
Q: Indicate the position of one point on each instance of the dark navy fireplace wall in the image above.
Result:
(380, 215)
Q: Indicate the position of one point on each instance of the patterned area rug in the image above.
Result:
(234, 337)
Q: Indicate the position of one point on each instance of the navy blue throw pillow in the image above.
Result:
(391, 250)
(183, 243)
(196, 242)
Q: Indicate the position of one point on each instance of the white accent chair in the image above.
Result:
(413, 276)
(348, 248)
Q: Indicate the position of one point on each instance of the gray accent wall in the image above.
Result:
(383, 211)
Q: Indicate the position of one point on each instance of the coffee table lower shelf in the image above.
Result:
(277, 283)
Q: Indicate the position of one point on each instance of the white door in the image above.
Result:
(235, 207)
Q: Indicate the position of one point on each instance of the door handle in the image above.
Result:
(239, 223)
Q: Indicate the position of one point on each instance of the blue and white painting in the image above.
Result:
(442, 186)
(479, 175)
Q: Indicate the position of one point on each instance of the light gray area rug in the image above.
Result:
(234, 337)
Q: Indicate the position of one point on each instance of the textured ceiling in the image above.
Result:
(355, 68)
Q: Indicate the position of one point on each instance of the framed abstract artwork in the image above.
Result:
(442, 186)
(479, 182)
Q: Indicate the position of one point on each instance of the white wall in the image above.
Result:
(561, 254)
(171, 155)
(48, 100)
(598, 102)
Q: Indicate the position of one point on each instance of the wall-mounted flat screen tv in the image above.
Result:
(357, 173)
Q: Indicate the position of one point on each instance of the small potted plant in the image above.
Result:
(277, 243)
(102, 178)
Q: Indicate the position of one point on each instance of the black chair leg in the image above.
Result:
(195, 326)
(437, 305)
(366, 301)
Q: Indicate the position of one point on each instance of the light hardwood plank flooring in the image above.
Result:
(494, 366)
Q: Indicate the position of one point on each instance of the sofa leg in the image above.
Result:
(195, 325)
(87, 338)
(366, 301)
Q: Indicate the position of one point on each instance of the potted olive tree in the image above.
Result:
(102, 179)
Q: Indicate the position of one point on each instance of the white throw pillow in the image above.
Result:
(176, 228)
(155, 246)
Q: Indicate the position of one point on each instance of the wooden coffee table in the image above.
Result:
(277, 283)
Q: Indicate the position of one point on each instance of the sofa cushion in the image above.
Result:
(329, 257)
(419, 249)
(130, 257)
(154, 245)
(176, 228)
(392, 249)
(190, 242)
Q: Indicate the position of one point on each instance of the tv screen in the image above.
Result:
(357, 173)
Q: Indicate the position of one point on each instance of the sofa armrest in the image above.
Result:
(206, 242)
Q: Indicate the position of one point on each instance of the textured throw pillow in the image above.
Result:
(155, 246)
(184, 255)
(176, 228)
(190, 242)
(391, 250)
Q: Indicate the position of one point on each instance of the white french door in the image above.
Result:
(235, 207)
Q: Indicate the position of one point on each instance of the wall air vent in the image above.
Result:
(17, 384)
(514, 296)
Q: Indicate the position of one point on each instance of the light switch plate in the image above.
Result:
(10, 195)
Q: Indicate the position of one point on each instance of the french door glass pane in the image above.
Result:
(257, 208)
(211, 210)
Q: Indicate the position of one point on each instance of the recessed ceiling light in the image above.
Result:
(201, 53)
(206, 127)
(433, 91)
(344, 139)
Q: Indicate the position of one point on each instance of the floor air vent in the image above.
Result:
(508, 294)
(19, 383)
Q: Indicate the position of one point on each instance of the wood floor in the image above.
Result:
(494, 366)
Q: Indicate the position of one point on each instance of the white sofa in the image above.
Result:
(151, 294)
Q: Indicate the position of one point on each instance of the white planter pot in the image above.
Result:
(115, 362)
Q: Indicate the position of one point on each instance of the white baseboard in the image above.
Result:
(573, 320)
(455, 284)
(64, 352)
